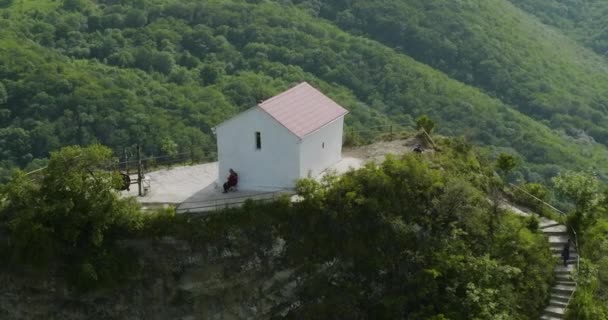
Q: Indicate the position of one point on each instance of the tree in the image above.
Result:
(529, 195)
(209, 74)
(15, 145)
(3, 94)
(581, 188)
(162, 62)
(505, 163)
(168, 146)
(424, 122)
(74, 5)
(5, 3)
(69, 215)
(135, 18)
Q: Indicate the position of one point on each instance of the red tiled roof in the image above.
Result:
(302, 109)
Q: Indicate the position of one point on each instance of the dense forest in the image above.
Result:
(412, 238)
(541, 73)
(585, 21)
(523, 79)
(163, 73)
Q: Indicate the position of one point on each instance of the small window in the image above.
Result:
(258, 140)
(323, 145)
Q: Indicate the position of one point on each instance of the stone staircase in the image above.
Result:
(564, 286)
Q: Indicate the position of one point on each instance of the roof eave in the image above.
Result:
(323, 126)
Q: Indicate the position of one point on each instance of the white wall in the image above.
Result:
(276, 165)
(314, 158)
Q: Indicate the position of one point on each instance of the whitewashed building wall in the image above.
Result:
(275, 165)
(321, 149)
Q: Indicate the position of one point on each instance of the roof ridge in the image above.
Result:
(279, 121)
(302, 109)
(284, 92)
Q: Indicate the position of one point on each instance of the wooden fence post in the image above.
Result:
(139, 173)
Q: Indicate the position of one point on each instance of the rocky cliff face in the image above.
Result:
(176, 281)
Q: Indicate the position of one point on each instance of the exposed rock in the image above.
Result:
(176, 281)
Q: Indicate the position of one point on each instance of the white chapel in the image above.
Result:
(295, 134)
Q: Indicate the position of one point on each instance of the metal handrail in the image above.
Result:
(540, 200)
(578, 251)
(578, 264)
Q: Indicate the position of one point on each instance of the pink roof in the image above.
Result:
(302, 109)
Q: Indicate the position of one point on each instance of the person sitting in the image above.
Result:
(233, 179)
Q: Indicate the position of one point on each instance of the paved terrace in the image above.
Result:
(194, 188)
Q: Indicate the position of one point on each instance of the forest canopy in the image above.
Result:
(164, 73)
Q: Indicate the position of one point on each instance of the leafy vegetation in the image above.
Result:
(589, 219)
(72, 217)
(496, 47)
(583, 20)
(505, 163)
(413, 237)
(384, 230)
(163, 73)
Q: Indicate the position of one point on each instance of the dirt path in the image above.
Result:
(377, 151)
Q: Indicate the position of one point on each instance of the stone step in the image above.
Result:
(553, 246)
(557, 249)
(556, 230)
(560, 297)
(572, 258)
(558, 240)
(555, 311)
(563, 290)
(555, 233)
(558, 303)
(547, 223)
(558, 236)
(571, 286)
(561, 269)
(570, 262)
(566, 273)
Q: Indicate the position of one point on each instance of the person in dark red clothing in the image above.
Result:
(233, 179)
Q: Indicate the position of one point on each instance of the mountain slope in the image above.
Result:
(162, 73)
(496, 47)
(586, 21)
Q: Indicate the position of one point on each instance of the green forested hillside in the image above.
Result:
(496, 47)
(586, 21)
(515, 76)
(164, 72)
